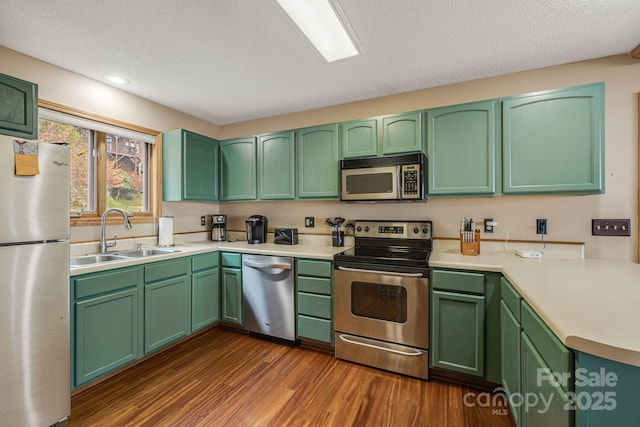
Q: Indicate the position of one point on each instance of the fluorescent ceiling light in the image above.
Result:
(117, 80)
(318, 21)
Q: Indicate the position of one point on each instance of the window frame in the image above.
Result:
(154, 172)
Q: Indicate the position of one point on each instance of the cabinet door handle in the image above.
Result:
(351, 340)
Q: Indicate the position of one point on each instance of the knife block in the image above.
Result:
(470, 248)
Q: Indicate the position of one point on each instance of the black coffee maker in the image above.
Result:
(256, 229)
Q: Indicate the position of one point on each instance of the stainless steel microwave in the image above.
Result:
(399, 178)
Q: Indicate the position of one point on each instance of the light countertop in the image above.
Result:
(592, 305)
(307, 250)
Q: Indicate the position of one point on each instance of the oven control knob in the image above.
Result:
(425, 230)
(416, 230)
(366, 229)
(358, 228)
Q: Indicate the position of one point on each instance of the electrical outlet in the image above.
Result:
(541, 226)
(202, 220)
(309, 221)
(488, 225)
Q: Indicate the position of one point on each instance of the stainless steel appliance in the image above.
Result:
(399, 178)
(34, 289)
(218, 228)
(268, 295)
(381, 296)
(285, 236)
(256, 229)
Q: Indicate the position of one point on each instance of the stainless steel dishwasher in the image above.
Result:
(268, 295)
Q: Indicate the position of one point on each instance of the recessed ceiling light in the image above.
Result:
(319, 22)
(117, 80)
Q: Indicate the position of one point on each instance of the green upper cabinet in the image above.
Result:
(238, 172)
(189, 167)
(553, 141)
(318, 155)
(463, 149)
(276, 166)
(359, 138)
(402, 133)
(18, 107)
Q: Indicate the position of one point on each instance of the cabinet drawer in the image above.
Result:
(231, 259)
(315, 329)
(314, 305)
(511, 297)
(165, 270)
(204, 261)
(556, 355)
(106, 282)
(458, 281)
(307, 267)
(315, 285)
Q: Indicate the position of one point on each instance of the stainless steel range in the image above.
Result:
(382, 296)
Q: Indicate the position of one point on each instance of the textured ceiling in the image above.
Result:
(227, 61)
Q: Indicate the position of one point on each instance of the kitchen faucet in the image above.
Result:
(127, 226)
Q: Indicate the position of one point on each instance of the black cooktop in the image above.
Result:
(386, 255)
(393, 244)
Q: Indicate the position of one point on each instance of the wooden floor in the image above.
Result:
(224, 378)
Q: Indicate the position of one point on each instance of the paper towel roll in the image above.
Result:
(165, 231)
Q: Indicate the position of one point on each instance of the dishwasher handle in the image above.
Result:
(267, 265)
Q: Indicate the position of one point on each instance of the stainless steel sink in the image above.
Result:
(144, 252)
(78, 261)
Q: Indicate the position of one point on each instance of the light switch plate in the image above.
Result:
(611, 227)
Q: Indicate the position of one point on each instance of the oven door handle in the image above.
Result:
(346, 339)
(393, 273)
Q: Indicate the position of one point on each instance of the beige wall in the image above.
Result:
(569, 216)
(70, 89)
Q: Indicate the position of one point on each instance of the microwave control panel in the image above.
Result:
(411, 182)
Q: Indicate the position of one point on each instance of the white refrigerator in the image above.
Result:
(34, 289)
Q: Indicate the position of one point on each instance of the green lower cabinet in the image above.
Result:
(544, 402)
(315, 329)
(457, 332)
(106, 334)
(231, 282)
(511, 356)
(314, 300)
(607, 392)
(167, 312)
(205, 298)
(465, 323)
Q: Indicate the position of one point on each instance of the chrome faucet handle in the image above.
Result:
(113, 243)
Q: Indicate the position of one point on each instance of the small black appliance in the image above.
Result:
(256, 229)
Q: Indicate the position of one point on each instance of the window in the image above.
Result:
(111, 165)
